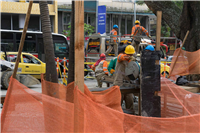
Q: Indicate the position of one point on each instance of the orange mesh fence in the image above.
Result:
(28, 111)
(176, 102)
(110, 97)
(187, 63)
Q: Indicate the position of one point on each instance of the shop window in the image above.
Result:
(129, 24)
(92, 20)
(107, 23)
(122, 25)
(34, 23)
(6, 21)
(66, 20)
(115, 20)
(15, 21)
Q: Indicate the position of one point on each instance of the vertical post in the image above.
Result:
(158, 30)
(79, 64)
(57, 67)
(134, 11)
(79, 44)
(175, 43)
(64, 69)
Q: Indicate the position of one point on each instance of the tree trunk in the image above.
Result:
(190, 20)
(71, 49)
(170, 13)
(180, 22)
(51, 74)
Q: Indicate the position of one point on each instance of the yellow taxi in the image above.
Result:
(28, 64)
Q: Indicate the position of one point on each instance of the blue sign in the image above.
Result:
(101, 19)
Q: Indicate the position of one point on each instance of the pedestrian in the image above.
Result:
(100, 68)
(137, 30)
(113, 41)
(122, 62)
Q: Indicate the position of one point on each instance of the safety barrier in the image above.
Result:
(59, 72)
(184, 63)
(58, 107)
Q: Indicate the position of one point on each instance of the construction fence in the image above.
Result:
(62, 109)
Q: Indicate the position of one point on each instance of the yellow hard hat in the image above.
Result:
(137, 22)
(130, 49)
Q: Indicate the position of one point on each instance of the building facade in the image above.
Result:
(13, 13)
(118, 12)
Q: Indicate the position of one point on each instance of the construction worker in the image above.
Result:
(137, 30)
(113, 62)
(149, 48)
(113, 41)
(100, 68)
(122, 62)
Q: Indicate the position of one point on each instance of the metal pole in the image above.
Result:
(134, 11)
(175, 43)
(97, 4)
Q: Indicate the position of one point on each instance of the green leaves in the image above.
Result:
(88, 29)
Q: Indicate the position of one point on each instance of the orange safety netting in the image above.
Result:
(28, 111)
(187, 63)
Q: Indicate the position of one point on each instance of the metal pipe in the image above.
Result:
(134, 11)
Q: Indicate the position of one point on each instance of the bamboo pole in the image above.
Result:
(22, 38)
(179, 53)
(5, 109)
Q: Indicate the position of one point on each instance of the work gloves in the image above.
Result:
(112, 71)
(149, 36)
(131, 36)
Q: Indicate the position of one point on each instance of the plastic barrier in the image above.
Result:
(187, 63)
(28, 111)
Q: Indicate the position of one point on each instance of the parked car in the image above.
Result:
(28, 64)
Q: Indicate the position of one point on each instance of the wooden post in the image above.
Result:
(5, 109)
(158, 30)
(178, 53)
(79, 64)
(22, 38)
(79, 44)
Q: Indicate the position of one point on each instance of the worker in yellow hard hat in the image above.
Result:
(137, 30)
(122, 61)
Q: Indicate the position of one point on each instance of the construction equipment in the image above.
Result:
(7, 68)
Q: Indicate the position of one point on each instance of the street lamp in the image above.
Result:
(134, 11)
